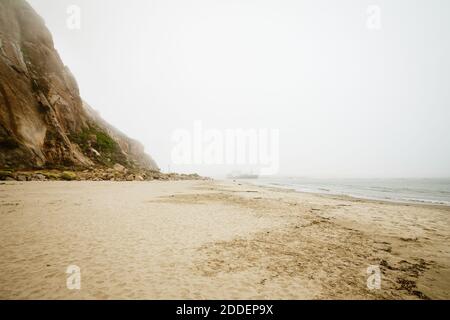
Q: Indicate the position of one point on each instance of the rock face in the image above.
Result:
(43, 120)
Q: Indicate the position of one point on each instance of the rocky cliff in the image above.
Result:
(44, 123)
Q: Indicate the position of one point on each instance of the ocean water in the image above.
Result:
(433, 191)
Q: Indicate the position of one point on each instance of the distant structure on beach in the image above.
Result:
(238, 175)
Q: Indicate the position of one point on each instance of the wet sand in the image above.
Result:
(215, 240)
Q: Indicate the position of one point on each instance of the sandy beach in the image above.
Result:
(215, 240)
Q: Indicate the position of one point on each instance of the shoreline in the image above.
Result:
(348, 196)
(344, 197)
(115, 176)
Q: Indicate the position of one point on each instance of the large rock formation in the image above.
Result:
(43, 120)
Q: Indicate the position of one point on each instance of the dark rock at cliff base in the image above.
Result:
(94, 174)
(43, 120)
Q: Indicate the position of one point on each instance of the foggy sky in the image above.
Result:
(348, 101)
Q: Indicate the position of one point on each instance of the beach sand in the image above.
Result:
(215, 240)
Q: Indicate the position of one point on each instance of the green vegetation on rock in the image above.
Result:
(50, 175)
(99, 140)
(68, 176)
(5, 174)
